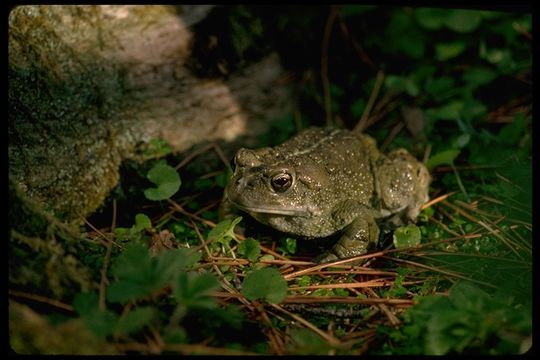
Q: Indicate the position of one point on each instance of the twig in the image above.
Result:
(484, 225)
(183, 348)
(305, 299)
(333, 263)
(324, 64)
(221, 154)
(193, 155)
(158, 340)
(179, 209)
(443, 225)
(107, 240)
(427, 153)
(103, 281)
(276, 341)
(329, 338)
(113, 222)
(381, 114)
(464, 167)
(460, 184)
(436, 200)
(430, 253)
(357, 47)
(361, 125)
(219, 260)
(355, 285)
(384, 102)
(449, 273)
(393, 133)
(311, 299)
(355, 271)
(229, 287)
(41, 299)
(393, 318)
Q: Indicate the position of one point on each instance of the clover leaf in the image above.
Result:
(167, 180)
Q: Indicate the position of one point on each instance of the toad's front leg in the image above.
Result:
(358, 238)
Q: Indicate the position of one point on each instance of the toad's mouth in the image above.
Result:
(301, 212)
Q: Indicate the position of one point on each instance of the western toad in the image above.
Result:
(325, 180)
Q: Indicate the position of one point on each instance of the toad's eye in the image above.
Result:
(281, 182)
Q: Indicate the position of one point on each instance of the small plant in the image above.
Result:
(468, 318)
(267, 284)
(407, 236)
(167, 180)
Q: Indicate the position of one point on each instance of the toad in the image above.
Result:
(325, 181)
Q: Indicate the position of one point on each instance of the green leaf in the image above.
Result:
(139, 275)
(203, 184)
(98, 322)
(463, 21)
(478, 76)
(86, 303)
(501, 57)
(450, 111)
(175, 335)
(357, 107)
(134, 321)
(306, 342)
(156, 148)
(411, 88)
(351, 10)
(123, 291)
(407, 236)
(413, 45)
(396, 83)
(437, 343)
(402, 35)
(445, 51)
(512, 133)
(266, 283)
(172, 262)
(473, 109)
(439, 87)
(232, 315)
(466, 296)
(446, 157)
(167, 180)
(398, 290)
(102, 324)
(222, 179)
(336, 91)
(121, 231)
(303, 280)
(132, 263)
(250, 248)
(461, 141)
(432, 19)
(194, 290)
(142, 222)
(223, 232)
(260, 265)
(401, 83)
(290, 245)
